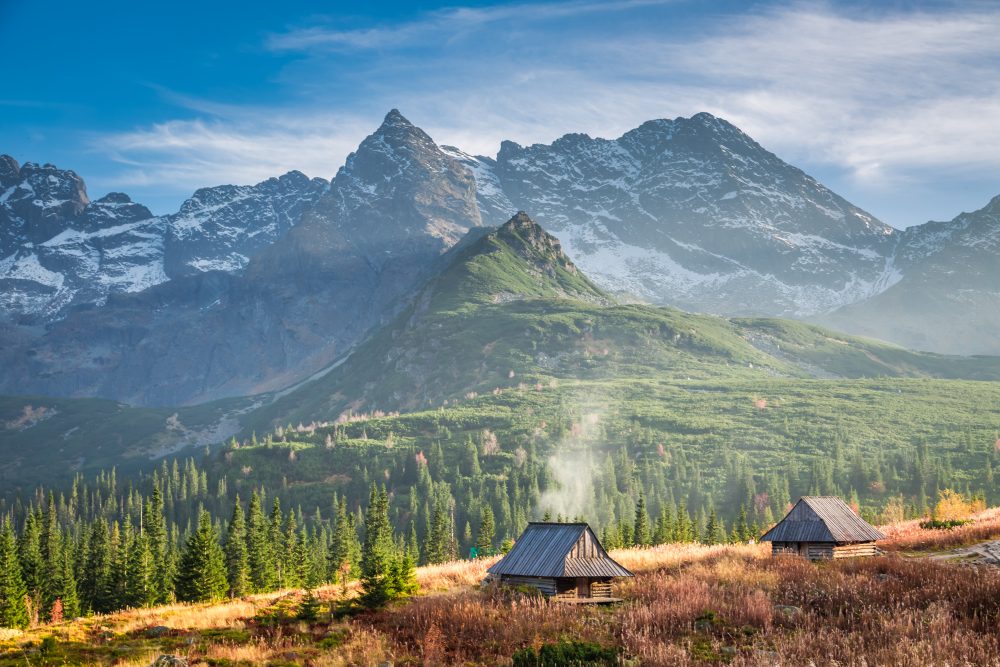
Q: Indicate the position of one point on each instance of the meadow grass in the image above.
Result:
(687, 605)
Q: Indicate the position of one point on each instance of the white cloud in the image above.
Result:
(451, 22)
(248, 148)
(885, 95)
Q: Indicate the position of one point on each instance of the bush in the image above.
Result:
(566, 654)
(935, 524)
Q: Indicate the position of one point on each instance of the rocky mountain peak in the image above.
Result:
(528, 238)
(10, 171)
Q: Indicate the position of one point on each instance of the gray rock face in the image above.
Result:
(693, 213)
(59, 250)
(397, 204)
(252, 288)
(221, 228)
(947, 298)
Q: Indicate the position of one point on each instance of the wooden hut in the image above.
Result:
(822, 528)
(565, 561)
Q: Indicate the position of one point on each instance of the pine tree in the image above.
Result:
(68, 594)
(140, 589)
(96, 585)
(29, 549)
(715, 529)
(155, 529)
(640, 530)
(377, 553)
(259, 547)
(343, 544)
(277, 542)
(293, 556)
(202, 572)
(52, 553)
(484, 538)
(741, 531)
(13, 612)
(664, 526)
(237, 563)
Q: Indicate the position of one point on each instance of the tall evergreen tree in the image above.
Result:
(140, 590)
(13, 612)
(68, 594)
(259, 547)
(155, 528)
(343, 546)
(377, 553)
(29, 549)
(96, 586)
(484, 538)
(201, 575)
(641, 536)
(237, 561)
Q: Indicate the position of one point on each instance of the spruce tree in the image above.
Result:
(13, 612)
(140, 590)
(96, 585)
(52, 553)
(259, 547)
(640, 530)
(201, 575)
(29, 549)
(277, 542)
(237, 562)
(155, 528)
(344, 535)
(377, 585)
(68, 592)
(484, 539)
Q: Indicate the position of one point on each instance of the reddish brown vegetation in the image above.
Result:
(909, 536)
(736, 605)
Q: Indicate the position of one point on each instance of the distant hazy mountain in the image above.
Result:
(692, 212)
(948, 296)
(252, 288)
(58, 249)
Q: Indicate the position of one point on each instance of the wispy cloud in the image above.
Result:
(247, 148)
(884, 95)
(453, 22)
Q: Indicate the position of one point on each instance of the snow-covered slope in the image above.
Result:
(692, 212)
(294, 295)
(58, 249)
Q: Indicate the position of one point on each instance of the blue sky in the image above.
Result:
(895, 105)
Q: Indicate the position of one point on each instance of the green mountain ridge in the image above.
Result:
(507, 311)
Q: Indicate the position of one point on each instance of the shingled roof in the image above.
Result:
(558, 550)
(822, 519)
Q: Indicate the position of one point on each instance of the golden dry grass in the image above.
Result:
(909, 536)
(687, 605)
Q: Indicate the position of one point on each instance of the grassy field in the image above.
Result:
(687, 605)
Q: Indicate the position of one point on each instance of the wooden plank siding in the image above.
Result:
(546, 585)
(824, 550)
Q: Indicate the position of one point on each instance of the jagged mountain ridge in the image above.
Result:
(59, 249)
(298, 304)
(505, 313)
(948, 297)
(510, 310)
(250, 293)
(692, 212)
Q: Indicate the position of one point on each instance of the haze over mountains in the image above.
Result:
(252, 288)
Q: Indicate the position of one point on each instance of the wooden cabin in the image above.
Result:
(823, 528)
(565, 561)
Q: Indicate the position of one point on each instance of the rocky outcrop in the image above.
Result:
(397, 204)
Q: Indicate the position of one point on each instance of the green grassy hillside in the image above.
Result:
(511, 316)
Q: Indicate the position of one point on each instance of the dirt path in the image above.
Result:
(985, 553)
